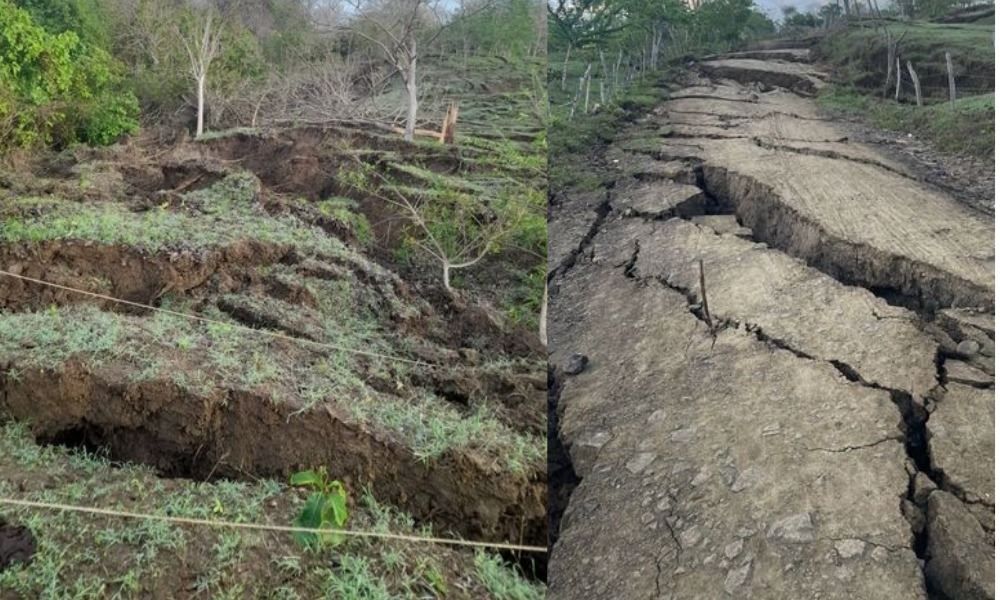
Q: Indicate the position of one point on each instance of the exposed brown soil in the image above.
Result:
(239, 433)
(17, 544)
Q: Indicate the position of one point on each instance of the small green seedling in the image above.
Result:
(326, 508)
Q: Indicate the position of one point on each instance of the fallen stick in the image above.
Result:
(704, 295)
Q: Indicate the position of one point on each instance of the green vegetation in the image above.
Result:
(285, 245)
(629, 50)
(220, 215)
(56, 89)
(230, 356)
(89, 557)
(458, 221)
(501, 582)
(859, 55)
(967, 129)
(326, 508)
(346, 212)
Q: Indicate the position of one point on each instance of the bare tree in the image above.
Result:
(201, 52)
(398, 23)
(458, 233)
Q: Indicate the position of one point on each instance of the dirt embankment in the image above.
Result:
(790, 340)
(232, 230)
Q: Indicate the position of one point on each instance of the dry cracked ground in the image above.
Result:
(823, 427)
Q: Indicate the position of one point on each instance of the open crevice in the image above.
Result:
(704, 135)
(601, 212)
(723, 117)
(630, 263)
(853, 448)
(748, 100)
(798, 84)
(912, 423)
(562, 477)
(762, 143)
(899, 280)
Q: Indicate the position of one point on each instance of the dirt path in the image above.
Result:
(823, 428)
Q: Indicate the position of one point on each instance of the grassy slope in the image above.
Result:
(858, 57)
(74, 559)
(124, 558)
(968, 129)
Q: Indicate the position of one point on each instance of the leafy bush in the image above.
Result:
(56, 90)
(326, 508)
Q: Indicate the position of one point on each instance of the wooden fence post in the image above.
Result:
(916, 83)
(583, 80)
(888, 54)
(951, 79)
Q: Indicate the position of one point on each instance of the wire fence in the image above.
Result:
(249, 526)
(268, 527)
(265, 332)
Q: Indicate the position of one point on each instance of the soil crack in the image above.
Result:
(762, 143)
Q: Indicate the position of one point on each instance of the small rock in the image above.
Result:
(657, 416)
(746, 479)
(848, 549)
(914, 516)
(736, 577)
(968, 348)
(733, 550)
(922, 488)
(682, 435)
(797, 528)
(703, 475)
(690, 537)
(664, 504)
(28, 343)
(770, 429)
(575, 364)
(639, 462)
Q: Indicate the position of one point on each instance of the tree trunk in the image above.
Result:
(916, 83)
(543, 317)
(655, 51)
(951, 79)
(614, 86)
(411, 93)
(566, 65)
(201, 106)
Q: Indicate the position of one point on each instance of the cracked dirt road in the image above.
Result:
(825, 428)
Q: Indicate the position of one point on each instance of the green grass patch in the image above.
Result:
(90, 557)
(346, 212)
(967, 129)
(859, 56)
(216, 216)
(165, 346)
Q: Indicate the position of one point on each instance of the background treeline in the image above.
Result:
(88, 71)
(605, 46)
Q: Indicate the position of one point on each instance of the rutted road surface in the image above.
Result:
(823, 428)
